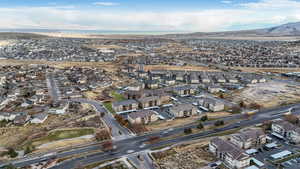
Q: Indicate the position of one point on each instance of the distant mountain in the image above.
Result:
(289, 29)
(16, 35)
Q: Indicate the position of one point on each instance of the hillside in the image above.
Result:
(13, 35)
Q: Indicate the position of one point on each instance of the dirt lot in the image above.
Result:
(110, 67)
(269, 94)
(4, 43)
(188, 156)
(169, 124)
(187, 68)
(261, 70)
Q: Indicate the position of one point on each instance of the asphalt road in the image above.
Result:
(118, 131)
(52, 87)
(136, 144)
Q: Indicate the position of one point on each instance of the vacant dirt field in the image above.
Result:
(110, 67)
(187, 68)
(272, 70)
(168, 124)
(4, 43)
(188, 156)
(269, 94)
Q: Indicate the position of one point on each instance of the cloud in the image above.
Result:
(226, 2)
(106, 3)
(272, 4)
(69, 17)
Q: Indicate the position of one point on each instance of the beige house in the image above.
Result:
(150, 101)
(183, 110)
(211, 104)
(125, 105)
(249, 138)
(287, 130)
(142, 117)
(230, 154)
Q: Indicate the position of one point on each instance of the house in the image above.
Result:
(213, 89)
(184, 90)
(169, 81)
(183, 110)
(231, 155)
(62, 109)
(286, 130)
(9, 116)
(249, 138)
(142, 117)
(211, 103)
(194, 78)
(219, 78)
(21, 119)
(180, 76)
(39, 118)
(151, 84)
(125, 105)
(150, 101)
(134, 94)
(204, 78)
(231, 79)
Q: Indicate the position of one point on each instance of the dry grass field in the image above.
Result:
(262, 70)
(186, 156)
(110, 67)
(187, 68)
(4, 42)
(268, 94)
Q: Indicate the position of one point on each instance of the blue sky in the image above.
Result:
(148, 15)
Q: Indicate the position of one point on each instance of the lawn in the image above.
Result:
(117, 96)
(63, 134)
(108, 106)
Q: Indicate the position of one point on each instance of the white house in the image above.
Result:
(39, 118)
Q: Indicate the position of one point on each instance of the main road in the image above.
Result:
(136, 144)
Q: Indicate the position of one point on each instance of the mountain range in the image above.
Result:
(289, 29)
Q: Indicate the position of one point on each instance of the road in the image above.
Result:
(52, 87)
(117, 131)
(137, 143)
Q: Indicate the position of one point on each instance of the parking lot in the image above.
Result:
(264, 154)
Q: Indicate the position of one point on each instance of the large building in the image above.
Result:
(287, 130)
(229, 153)
(142, 117)
(249, 138)
(183, 110)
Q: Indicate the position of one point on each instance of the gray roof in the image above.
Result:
(181, 107)
(227, 147)
(249, 134)
(141, 114)
(40, 116)
(125, 102)
(147, 99)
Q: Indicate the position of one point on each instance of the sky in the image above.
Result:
(147, 15)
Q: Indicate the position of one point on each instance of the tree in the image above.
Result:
(242, 104)
(219, 123)
(204, 118)
(188, 131)
(102, 135)
(292, 119)
(255, 106)
(29, 149)
(107, 146)
(12, 153)
(153, 139)
(200, 126)
(236, 109)
(10, 166)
